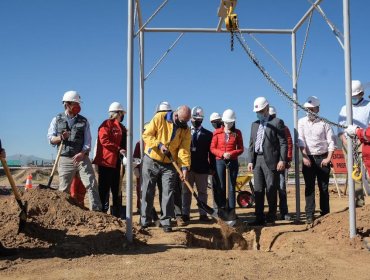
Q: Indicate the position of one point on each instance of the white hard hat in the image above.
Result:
(312, 102)
(115, 107)
(197, 112)
(272, 110)
(214, 116)
(357, 87)
(71, 96)
(164, 106)
(259, 104)
(228, 116)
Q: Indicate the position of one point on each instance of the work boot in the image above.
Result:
(7, 252)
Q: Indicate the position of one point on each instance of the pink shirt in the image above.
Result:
(316, 136)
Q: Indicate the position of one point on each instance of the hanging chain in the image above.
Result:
(356, 174)
(278, 88)
(232, 40)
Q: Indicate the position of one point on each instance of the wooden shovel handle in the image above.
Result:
(10, 178)
(180, 173)
(57, 159)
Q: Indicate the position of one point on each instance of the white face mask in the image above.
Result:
(228, 125)
(310, 116)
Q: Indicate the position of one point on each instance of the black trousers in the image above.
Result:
(322, 174)
(109, 181)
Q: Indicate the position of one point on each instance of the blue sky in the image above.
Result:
(49, 47)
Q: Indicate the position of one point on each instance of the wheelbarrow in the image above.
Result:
(245, 199)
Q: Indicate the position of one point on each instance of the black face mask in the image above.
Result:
(122, 117)
(196, 123)
(216, 124)
(181, 124)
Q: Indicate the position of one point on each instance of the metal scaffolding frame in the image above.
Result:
(135, 7)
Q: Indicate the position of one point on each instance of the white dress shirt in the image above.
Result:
(316, 136)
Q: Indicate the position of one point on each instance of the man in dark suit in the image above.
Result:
(202, 164)
(266, 158)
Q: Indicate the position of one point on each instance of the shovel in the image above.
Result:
(228, 214)
(22, 206)
(48, 186)
(121, 211)
(200, 203)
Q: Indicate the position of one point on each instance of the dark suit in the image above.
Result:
(264, 165)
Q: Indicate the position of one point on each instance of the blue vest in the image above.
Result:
(73, 145)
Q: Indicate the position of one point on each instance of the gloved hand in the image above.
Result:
(351, 130)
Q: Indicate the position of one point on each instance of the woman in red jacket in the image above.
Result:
(111, 143)
(227, 145)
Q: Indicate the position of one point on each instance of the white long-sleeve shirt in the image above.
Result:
(316, 136)
(361, 115)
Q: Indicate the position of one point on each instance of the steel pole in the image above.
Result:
(130, 91)
(142, 81)
(295, 120)
(348, 78)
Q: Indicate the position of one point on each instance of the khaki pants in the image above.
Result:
(67, 171)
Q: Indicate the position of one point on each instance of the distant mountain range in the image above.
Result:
(27, 160)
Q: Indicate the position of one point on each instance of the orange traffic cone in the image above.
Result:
(28, 185)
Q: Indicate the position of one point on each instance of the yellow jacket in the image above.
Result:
(159, 131)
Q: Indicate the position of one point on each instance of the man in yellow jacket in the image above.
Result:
(167, 133)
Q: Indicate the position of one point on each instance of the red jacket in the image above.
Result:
(111, 138)
(289, 140)
(234, 146)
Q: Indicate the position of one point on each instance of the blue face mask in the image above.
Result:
(355, 100)
(260, 116)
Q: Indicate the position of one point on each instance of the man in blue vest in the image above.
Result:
(72, 130)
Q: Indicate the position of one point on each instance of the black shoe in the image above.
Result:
(186, 218)
(257, 223)
(204, 218)
(309, 220)
(7, 252)
(270, 221)
(167, 229)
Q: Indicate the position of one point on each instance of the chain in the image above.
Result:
(232, 40)
(278, 88)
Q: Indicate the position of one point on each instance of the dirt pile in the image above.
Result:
(335, 226)
(57, 226)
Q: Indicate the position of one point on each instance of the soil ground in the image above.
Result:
(64, 241)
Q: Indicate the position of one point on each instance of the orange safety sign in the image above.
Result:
(339, 162)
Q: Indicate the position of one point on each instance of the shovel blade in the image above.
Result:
(227, 215)
(23, 217)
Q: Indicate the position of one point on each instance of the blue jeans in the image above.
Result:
(221, 172)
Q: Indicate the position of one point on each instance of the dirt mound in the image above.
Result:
(335, 226)
(57, 226)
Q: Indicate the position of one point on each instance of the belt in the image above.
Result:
(319, 156)
(259, 154)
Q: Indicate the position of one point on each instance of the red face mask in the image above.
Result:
(76, 109)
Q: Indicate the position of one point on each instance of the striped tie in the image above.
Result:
(259, 138)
